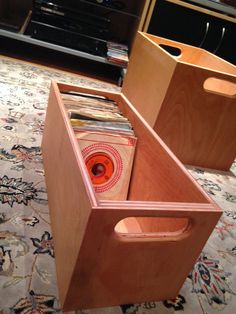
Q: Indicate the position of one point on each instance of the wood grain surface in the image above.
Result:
(189, 100)
(103, 258)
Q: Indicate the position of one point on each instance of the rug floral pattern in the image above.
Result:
(27, 266)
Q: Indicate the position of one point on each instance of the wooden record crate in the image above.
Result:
(188, 96)
(116, 252)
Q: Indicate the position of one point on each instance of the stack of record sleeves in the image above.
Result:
(117, 53)
(106, 140)
(95, 113)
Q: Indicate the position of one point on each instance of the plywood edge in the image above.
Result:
(158, 40)
(79, 157)
(63, 87)
(162, 206)
(142, 74)
(193, 56)
(214, 64)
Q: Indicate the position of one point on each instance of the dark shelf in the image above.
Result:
(94, 4)
(79, 28)
(59, 59)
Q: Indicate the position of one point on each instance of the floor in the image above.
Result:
(27, 276)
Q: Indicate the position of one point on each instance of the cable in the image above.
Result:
(220, 41)
(205, 35)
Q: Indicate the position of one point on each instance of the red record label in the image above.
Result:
(100, 167)
(104, 165)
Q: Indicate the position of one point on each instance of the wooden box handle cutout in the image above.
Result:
(174, 51)
(220, 87)
(174, 48)
(158, 228)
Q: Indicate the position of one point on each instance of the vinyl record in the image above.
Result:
(100, 168)
(108, 158)
(104, 165)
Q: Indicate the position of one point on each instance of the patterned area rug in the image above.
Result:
(27, 267)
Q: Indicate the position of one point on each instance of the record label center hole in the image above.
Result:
(98, 169)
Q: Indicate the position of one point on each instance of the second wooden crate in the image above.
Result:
(188, 96)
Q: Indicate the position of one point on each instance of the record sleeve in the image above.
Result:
(108, 158)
